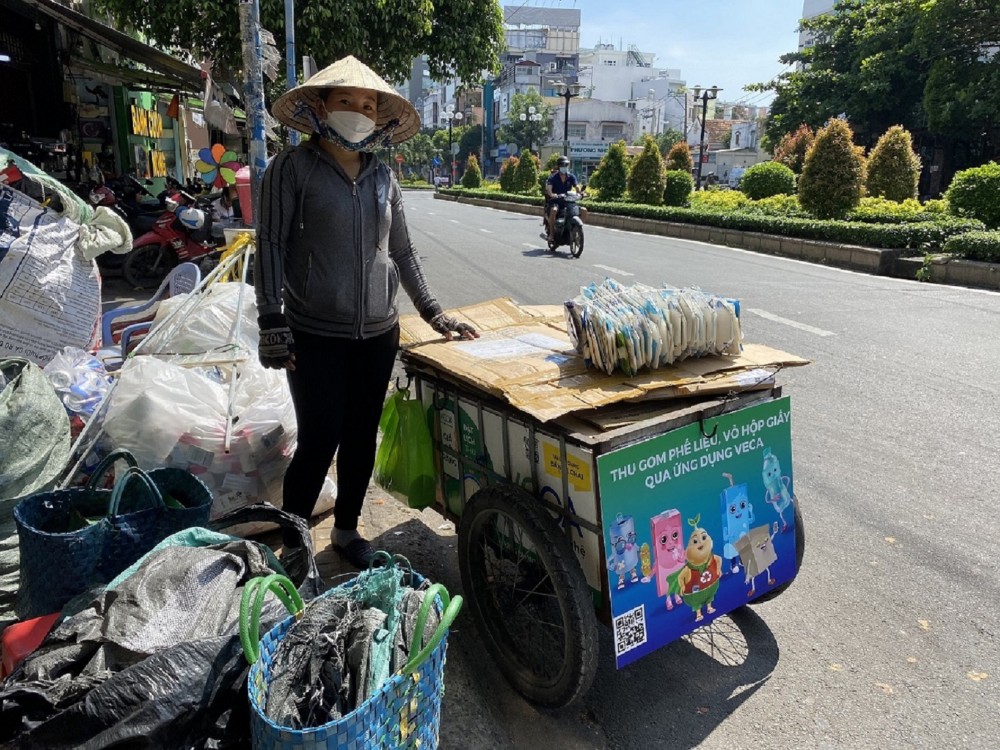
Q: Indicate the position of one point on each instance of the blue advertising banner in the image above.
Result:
(697, 522)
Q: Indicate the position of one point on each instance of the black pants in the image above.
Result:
(338, 388)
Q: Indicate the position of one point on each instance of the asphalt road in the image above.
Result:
(889, 637)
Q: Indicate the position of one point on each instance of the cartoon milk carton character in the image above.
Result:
(668, 546)
(624, 557)
(777, 490)
(737, 515)
(758, 555)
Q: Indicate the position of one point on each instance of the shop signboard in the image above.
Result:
(697, 522)
(588, 149)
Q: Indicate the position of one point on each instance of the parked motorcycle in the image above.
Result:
(183, 232)
(122, 197)
(569, 225)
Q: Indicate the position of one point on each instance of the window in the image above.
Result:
(612, 130)
(578, 130)
(609, 62)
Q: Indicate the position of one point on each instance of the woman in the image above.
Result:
(332, 251)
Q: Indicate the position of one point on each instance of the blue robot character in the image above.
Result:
(777, 488)
(737, 515)
(624, 557)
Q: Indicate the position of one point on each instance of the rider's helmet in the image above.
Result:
(563, 161)
(192, 218)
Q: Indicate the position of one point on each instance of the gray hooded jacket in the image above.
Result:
(332, 249)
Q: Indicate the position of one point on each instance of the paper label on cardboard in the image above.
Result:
(579, 472)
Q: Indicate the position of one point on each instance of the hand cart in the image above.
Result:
(655, 518)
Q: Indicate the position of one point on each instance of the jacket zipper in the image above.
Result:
(362, 303)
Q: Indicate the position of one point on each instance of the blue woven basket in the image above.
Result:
(404, 713)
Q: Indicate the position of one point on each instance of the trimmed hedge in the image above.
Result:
(975, 246)
(976, 193)
(766, 179)
(893, 236)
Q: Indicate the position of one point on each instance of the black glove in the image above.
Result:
(447, 325)
(276, 348)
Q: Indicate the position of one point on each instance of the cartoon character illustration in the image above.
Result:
(668, 543)
(624, 557)
(737, 515)
(699, 578)
(776, 487)
(645, 562)
(758, 555)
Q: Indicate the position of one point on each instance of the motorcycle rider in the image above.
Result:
(558, 184)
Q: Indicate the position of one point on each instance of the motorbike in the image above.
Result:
(183, 232)
(569, 224)
(122, 197)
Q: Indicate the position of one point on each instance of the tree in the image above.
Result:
(975, 193)
(679, 184)
(667, 139)
(528, 133)
(833, 175)
(472, 178)
(471, 141)
(792, 148)
(614, 172)
(526, 174)
(679, 158)
(461, 38)
(508, 173)
(766, 179)
(646, 179)
(893, 170)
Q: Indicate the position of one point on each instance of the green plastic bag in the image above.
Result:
(404, 463)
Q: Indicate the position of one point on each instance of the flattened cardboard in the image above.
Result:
(525, 357)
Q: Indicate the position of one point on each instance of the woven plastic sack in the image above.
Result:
(35, 440)
(64, 552)
(404, 711)
(404, 462)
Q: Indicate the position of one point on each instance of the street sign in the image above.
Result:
(399, 158)
(454, 148)
(436, 161)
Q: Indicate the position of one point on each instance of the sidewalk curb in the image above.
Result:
(897, 263)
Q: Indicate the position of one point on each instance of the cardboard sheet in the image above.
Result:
(524, 356)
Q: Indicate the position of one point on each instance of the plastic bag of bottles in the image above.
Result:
(79, 379)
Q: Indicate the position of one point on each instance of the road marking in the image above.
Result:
(454, 221)
(611, 269)
(485, 230)
(431, 213)
(792, 323)
(529, 244)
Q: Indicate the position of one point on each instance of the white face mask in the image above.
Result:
(353, 127)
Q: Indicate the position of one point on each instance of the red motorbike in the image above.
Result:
(183, 232)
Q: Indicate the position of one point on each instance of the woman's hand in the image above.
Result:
(276, 347)
(448, 326)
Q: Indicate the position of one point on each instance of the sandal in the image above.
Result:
(358, 552)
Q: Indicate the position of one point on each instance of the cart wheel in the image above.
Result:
(800, 551)
(529, 598)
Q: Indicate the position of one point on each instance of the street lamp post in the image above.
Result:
(530, 116)
(705, 96)
(567, 92)
(451, 116)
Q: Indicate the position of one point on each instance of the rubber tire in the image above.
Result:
(576, 603)
(576, 241)
(143, 256)
(800, 552)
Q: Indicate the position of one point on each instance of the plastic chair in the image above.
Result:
(120, 326)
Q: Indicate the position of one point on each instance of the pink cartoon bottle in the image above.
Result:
(668, 546)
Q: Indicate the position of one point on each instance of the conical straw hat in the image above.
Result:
(291, 108)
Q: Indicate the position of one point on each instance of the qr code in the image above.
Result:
(630, 630)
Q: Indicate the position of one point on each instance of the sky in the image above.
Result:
(727, 43)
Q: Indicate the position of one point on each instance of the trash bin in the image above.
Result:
(243, 191)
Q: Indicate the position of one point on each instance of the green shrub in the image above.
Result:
(679, 158)
(614, 173)
(793, 147)
(766, 179)
(885, 211)
(646, 181)
(526, 174)
(975, 193)
(833, 173)
(778, 205)
(893, 168)
(718, 200)
(975, 246)
(472, 178)
(508, 171)
(938, 206)
(678, 188)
